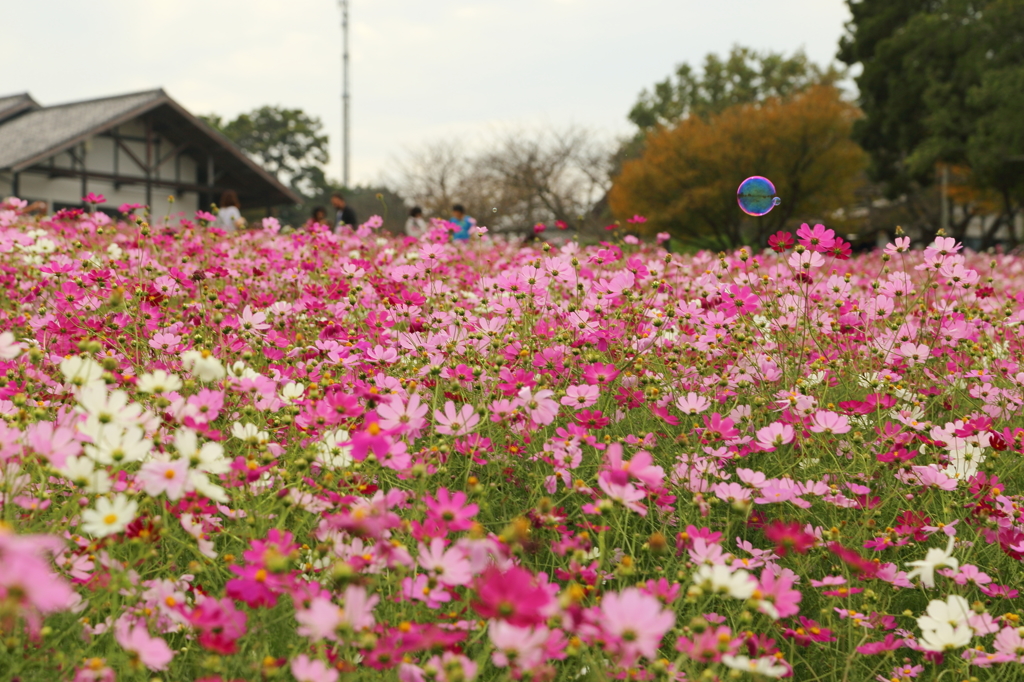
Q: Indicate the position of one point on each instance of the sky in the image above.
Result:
(420, 70)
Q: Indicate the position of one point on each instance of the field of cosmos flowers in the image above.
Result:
(318, 457)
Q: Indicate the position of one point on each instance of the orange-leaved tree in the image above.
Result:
(685, 182)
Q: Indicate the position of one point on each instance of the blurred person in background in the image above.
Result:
(229, 217)
(416, 225)
(462, 221)
(318, 216)
(345, 214)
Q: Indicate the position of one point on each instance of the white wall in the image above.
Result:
(99, 158)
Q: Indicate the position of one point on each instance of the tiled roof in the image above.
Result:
(30, 134)
(11, 105)
(50, 129)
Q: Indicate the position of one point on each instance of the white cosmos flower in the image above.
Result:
(766, 665)
(9, 348)
(109, 516)
(108, 408)
(946, 637)
(158, 381)
(954, 611)
(719, 578)
(119, 445)
(292, 391)
(201, 483)
(203, 365)
(935, 558)
(208, 458)
(249, 433)
(331, 454)
(81, 371)
(82, 472)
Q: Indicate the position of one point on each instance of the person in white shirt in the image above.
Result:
(229, 217)
(416, 225)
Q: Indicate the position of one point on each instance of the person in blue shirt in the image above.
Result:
(462, 221)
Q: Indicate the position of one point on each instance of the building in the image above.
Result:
(138, 148)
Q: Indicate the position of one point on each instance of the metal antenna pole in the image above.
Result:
(344, 93)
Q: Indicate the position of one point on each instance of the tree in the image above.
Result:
(287, 142)
(685, 182)
(523, 178)
(940, 84)
(744, 77)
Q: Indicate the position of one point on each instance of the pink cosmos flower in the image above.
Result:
(636, 622)
(775, 435)
(54, 443)
(512, 596)
(738, 300)
(1010, 642)
(600, 374)
(456, 423)
(382, 355)
(691, 403)
(732, 492)
(164, 476)
(817, 238)
(825, 421)
(95, 670)
(806, 260)
(27, 583)
(901, 245)
(359, 605)
(152, 652)
(582, 396)
(914, 353)
(219, 623)
(971, 574)
(522, 646)
(409, 416)
(709, 646)
(641, 467)
(312, 670)
(624, 493)
(942, 246)
(319, 620)
(449, 566)
(540, 406)
(254, 586)
(421, 588)
(777, 598)
(450, 510)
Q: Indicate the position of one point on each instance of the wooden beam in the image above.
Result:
(131, 154)
(124, 179)
(149, 160)
(117, 159)
(85, 174)
(173, 153)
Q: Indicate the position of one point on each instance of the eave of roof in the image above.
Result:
(146, 101)
(12, 105)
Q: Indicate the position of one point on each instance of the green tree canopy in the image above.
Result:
(941, 82)
(743, 77)
(287, 142)
(685, 181)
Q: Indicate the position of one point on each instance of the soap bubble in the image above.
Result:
(756, 196)
(494, 210)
